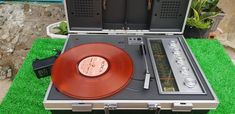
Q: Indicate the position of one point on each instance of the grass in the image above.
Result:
(27, 92)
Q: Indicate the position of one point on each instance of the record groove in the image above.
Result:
(92, 71)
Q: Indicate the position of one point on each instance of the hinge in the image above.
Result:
(112, 33)
(182, 107)
(169, 34)
(140, 34)
(126, 33)
(78, 107)
(79, 33)
(109, 107)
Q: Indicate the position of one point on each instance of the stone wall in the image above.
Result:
(20, 24)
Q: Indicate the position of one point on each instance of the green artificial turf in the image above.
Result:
(27, 92)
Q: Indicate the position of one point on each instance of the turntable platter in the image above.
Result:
(92, 71)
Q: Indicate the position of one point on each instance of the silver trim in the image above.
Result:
(154, 64)
(65, 44)
(117, 32)
(186, 16)
(81, 107)
(203, 74)
(126, 104)
(49, 87)
(174, 72)
(47, 93)
(193, 67)
(66, 14)
(175, 68)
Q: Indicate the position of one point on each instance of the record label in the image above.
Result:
(93, 66)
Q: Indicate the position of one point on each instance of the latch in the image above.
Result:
(109, 107)
(182, 107)
(81, 107)
(155, 107)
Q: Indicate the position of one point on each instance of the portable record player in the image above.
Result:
(127, 56)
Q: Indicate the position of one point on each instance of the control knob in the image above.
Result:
(190, 82)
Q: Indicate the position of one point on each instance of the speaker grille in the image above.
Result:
(170, 9)
(83, 8)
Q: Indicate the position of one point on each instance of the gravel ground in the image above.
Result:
(20, 24)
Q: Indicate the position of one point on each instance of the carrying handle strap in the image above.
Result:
(105, 4)
(149, 3)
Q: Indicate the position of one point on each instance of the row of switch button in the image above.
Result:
(180, 61)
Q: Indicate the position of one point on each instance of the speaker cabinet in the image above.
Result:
(168, 15)
(84, 14)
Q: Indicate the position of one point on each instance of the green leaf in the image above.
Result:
(208, 15)
(202, 13)
(196, 14)
(63, 29)
(211, 5)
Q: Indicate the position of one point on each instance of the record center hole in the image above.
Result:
(93, 66)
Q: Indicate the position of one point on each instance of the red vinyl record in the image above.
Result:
(92, 71)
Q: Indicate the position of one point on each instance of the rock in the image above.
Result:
(8, 48)
(8, 10)
(47, 13)
(30, 12)
(15, 40)
(35, 26)
(5, 36)
(9, 73)
(2, 75)
(2, 20)
(36, 33)
(26, 7)
(5, 72)
(5, 68)
(39, 29)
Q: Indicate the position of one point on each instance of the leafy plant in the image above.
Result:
(201, 13)
(63, 29)
(211, 6)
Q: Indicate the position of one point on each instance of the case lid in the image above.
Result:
(127, 16)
